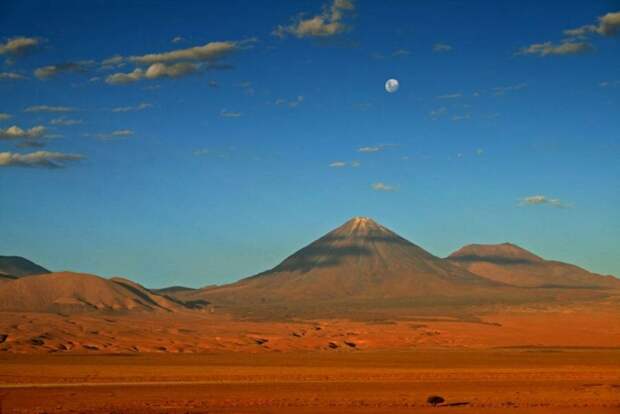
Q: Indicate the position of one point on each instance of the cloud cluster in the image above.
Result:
(17, 46)
(608, 25)
(16, 132)
(328, 23)
(175, 63)
(574, 44)
(540, 200)
(38, 159)
(379, 186)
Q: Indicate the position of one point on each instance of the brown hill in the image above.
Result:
(78, 292)
(14, 266)
(511, 264)
(359, 262)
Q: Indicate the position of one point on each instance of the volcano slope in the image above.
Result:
(511, 264)
(362, 269)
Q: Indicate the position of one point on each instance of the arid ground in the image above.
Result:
(544, 360)
(525, 380)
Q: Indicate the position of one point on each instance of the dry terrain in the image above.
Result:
(531, 380)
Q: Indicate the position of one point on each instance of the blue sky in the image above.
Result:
(199, 143)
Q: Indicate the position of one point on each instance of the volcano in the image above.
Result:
(511, 264)
(360, 261)
(12, 267)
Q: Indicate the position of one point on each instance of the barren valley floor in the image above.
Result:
(529, 380)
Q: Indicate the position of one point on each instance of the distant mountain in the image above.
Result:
(359, 261)
(511, 264)
(68, 292)
(16, 266)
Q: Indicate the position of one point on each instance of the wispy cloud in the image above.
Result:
(292, 103)
(62, 121)
(442, 48)
(229, 114)
(375, 148)
(609, 84)
(344, 164)
(464, 117)
(328, 23)
(47, 72)
(502, 90)
(379, 186)
(548, 49)
(38, 159)
(116, 134)
(178, 39)
(542, 200)
(438, 112)
(8, 76)
(16, 132)
(50, 109)
(17, 46)
(4, 116)
(450, 96)
(140, 107)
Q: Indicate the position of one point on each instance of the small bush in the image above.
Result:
(435, 400)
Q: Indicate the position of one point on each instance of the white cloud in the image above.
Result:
(38, 159)
(548, 48)
(161, 70)
(19, 45)
(401, 52)
(379, 186)
(442, 48)
(178, 39)
(209, 52)
(5, 116)
(539, 200)
(326, 24)
(16, 132)
(11, 76)
(48, 108)
(140, 107)
(154, 71)
(125, 78)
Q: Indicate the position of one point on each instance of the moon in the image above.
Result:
(391, 85)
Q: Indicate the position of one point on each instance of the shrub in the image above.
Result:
(435, 400)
